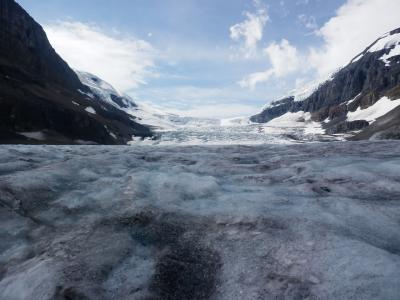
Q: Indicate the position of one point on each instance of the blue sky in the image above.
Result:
(214, 58)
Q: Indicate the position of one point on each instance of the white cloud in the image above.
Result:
(124, 62)
(356, 25)
(218, 111)
(250, 31)
(185, 96)
(284, 59)
(213, 102)
(308, 22)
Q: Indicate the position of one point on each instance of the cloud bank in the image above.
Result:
(284, 59)
(355, 26)
(126, 63)
(250, 31)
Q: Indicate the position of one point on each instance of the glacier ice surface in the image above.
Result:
(302, 221)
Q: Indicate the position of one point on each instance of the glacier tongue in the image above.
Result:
(311, 221)
(173, 129)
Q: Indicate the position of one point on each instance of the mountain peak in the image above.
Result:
(389, 40)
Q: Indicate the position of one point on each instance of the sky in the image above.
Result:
(212, 58)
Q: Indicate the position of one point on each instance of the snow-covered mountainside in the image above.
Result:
(140, 112)
(106, 92)
(311, 221)
(355, 98)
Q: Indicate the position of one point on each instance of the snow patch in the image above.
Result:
(300, 119)
(357, 58)
(36, 135)
(370, 114)
(83, 142)
(387, 41)
(393, 52)
(110, 132)
(86, 94)
(352, 100)
(90, 110)
(290, 119)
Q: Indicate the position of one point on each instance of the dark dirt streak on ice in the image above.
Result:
(312, 221)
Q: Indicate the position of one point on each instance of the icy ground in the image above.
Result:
(302, 221)
(249, 134)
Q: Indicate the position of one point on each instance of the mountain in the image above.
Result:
(144, 114)
(42, 100)
(363, 98)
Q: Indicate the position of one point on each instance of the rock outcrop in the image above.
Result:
(346, 126)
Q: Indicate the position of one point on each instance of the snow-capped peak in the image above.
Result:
(93, 81)
(385, 42)
(105, 91)
(390, 40)
(143, 113)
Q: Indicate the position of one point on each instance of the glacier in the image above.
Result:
(298, 221)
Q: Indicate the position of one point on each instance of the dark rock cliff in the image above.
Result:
(39, 92)
(24, 45)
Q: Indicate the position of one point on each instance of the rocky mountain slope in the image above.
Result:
(42, 100)
(364, 95)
